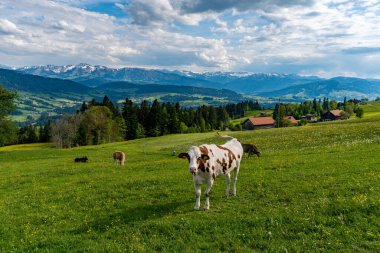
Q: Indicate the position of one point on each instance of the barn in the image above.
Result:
(255, 123)
(332, 115)
(291, 120)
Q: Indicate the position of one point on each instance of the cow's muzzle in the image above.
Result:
(193, 170)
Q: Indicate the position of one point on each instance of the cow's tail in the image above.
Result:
(224, 136)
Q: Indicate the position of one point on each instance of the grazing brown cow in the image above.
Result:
(250, 149)
(119, 157)
(208, 161)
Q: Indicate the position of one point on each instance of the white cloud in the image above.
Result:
(7, 27)
(161, 12)
(326, 36)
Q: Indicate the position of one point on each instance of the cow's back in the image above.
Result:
(225, 157)
(235, 146)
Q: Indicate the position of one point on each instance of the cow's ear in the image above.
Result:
(184, 155)
(205, 157)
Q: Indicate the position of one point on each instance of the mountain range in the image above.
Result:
(272, 85)
(242, 82)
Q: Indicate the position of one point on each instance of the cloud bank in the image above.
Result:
(326, 37)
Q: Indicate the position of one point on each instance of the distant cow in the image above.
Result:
(251, 149)
(209, 161)
(119, 157)
(83, 159)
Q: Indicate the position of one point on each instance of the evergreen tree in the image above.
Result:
(129, 113)
(83, 107)
(108, 103)
(154, 120)
(173, 123)
(326, 104)
(223, 117)
(45, 132)
(143, 114)
(212, 118)
(164, 122)
(279, 114)
(93, 102)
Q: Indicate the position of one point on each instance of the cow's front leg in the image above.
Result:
(197, 188)
(228, 177)
(210, 182)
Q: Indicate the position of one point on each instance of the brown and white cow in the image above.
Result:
(119, 157)
(209, 161)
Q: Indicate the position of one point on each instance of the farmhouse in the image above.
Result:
(258, 123)
(332, 115)
(291, 120)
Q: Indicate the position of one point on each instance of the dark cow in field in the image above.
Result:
(119, 157)
(209, 161)
(83, 159)
(250, 149)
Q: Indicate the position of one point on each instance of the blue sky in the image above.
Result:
(325, 38)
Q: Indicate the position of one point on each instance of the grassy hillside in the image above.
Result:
(372, 108)
(315, 188)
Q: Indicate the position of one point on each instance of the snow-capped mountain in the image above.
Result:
(96, 75)
(243, 82)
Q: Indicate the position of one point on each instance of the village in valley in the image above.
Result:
(287, 115)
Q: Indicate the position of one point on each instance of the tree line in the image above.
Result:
(102, 122)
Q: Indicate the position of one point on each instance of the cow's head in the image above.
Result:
(196, 159)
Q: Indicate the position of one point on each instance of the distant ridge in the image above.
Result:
(16, 80)
(272, 85)
(243, 82)
(337, 88)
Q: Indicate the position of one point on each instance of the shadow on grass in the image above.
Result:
(133, 215)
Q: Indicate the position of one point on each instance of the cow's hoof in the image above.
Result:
(206, 208)
(196, 208)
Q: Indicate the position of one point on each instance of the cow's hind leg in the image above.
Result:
(228, 179)
(207, 193)
(197, 188)
(236, 172)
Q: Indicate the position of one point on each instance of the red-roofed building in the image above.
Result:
(258, 123)
(292, 120)
(332, 115)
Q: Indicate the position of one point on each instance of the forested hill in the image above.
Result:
(120, 90)
(18, 81)
(338, 88)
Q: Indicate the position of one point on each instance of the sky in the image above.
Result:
(307, 37)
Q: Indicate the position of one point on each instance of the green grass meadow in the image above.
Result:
(315, 188)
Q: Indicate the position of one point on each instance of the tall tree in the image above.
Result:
(143, 114)
(279, 114)
(45, 132)
(129, 113)
(108, 103)
(8, 129)
(6, 102)
(154, 120)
